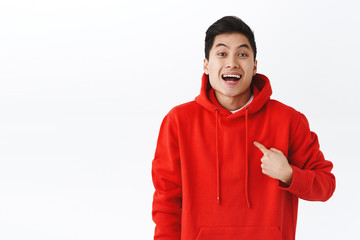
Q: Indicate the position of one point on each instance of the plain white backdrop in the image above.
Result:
(84, 86)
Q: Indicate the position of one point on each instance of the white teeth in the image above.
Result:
(232, 76)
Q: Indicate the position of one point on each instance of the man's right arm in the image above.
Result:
(166, 175)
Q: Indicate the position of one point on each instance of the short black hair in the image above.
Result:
(228, 24)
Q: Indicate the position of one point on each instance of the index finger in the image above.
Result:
(262, 148)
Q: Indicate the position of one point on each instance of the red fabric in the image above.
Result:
(207, 188)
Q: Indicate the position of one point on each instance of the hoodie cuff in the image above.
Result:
(300, 182)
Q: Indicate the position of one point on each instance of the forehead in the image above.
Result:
(231, 40)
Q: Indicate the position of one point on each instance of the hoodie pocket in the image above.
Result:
(239, 233)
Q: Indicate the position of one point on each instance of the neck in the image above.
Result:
(233, 103)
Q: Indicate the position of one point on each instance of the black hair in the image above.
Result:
(228, 24)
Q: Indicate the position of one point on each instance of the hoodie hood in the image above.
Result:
(260, 87)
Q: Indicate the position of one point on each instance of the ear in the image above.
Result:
(206, 63)
(255, 67)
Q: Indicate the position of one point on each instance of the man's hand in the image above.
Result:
(275, 165)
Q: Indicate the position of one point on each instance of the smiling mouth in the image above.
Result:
(231, 77)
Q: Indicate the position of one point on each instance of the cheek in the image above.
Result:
(214, 64)
(213, 70)
(212, 81)
(249, 68)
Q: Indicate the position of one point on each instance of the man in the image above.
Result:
(233, 163)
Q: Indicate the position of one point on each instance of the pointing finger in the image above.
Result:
(262, 148)
(275, 150)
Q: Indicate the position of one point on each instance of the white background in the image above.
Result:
(84, 86)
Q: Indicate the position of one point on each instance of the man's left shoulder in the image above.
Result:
(282, 109)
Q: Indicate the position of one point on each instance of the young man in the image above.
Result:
(233, 163)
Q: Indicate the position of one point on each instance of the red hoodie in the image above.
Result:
(207, 175)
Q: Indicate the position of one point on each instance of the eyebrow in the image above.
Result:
(224, 45)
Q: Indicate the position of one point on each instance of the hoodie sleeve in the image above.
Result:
(166, 175)
(312, 177)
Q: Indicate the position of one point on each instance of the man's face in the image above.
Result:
(231, 66)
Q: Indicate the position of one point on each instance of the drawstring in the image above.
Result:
(246, 159)
(217, 158)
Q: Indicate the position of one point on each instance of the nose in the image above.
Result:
(232, 62)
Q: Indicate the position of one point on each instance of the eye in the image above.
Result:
(242, 55)
(222, 54)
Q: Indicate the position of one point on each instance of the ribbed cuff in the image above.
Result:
(300, 183)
